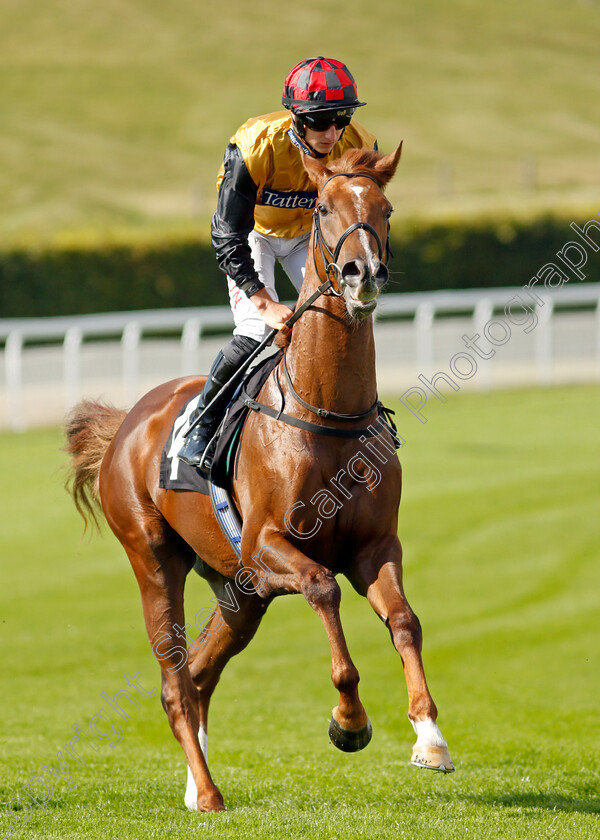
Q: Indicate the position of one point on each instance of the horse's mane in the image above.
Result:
(364, 160)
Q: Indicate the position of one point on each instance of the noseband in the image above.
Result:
(326, 252)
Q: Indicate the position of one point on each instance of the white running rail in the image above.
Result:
(131, 329)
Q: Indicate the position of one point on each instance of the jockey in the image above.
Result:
(264, 213)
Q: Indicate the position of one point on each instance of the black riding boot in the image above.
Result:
(229, 360)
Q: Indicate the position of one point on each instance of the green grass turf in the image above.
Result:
(114, 115)
(500, 528)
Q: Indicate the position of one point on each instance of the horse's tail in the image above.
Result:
(89, 428)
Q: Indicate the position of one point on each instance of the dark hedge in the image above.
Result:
(77, 280)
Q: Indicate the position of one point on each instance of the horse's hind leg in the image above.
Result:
(379, 577)
(227, 632)
(161, 566)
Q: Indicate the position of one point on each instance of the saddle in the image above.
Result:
(177, 475)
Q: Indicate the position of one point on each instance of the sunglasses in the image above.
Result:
(322, 121)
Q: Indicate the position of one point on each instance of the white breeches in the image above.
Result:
(291, 253)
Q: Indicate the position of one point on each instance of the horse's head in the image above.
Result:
(351, 224)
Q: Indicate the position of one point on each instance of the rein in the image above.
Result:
(323, 289)
(329, 266)
(385, 421)
(326, 288)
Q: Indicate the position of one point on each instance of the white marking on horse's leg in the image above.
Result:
(430, 749)
(428, 733)
(191, 792)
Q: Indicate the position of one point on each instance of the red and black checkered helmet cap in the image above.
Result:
(320, 84)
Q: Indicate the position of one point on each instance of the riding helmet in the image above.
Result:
(319, 84)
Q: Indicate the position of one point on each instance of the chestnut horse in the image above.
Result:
(318, 489)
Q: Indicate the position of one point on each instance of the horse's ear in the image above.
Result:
(317, 173)
(386, 165)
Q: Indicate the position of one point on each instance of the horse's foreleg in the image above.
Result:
(291, 571)
(380, 578)
(227, 632)
(161, 577)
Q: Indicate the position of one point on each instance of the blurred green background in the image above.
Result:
(114, 116)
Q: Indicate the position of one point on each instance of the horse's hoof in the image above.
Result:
(350, 740)
(433, 758)
(206, 804)
(212, 808)
(211, 804)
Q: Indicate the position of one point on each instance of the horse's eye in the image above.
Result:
(389, 213)
(323, 210)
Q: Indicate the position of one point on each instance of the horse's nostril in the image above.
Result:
(353, 271)
(382, 274)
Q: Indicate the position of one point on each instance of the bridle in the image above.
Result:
(326, 288)
(330, 257)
